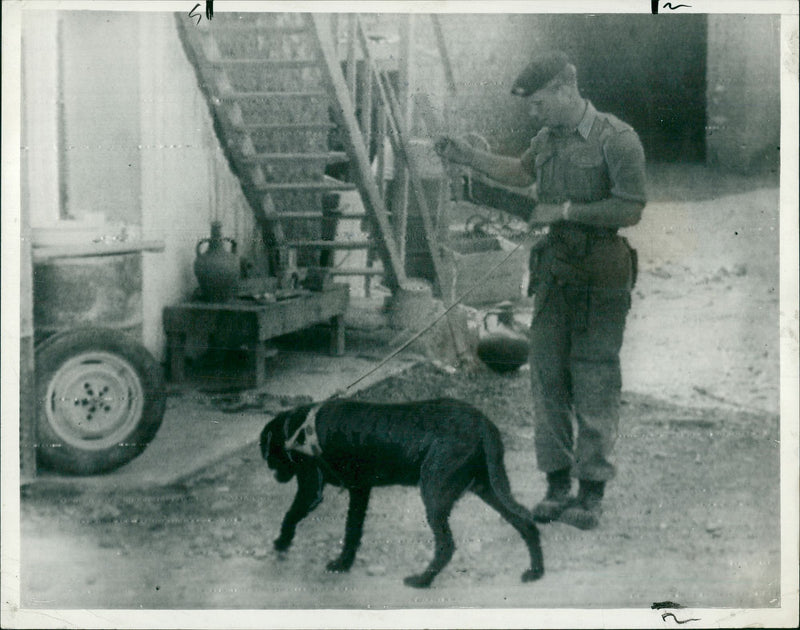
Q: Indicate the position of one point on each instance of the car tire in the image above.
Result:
(100, 400)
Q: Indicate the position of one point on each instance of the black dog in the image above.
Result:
(446, 446)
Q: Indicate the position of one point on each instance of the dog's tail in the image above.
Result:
(498, 478)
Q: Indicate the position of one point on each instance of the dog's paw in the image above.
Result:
(532, 574)
(282, 544)
(339, 566)
(423, 580)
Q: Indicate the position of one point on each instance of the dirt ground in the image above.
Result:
(693, 516)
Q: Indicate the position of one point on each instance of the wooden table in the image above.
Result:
(256, 323)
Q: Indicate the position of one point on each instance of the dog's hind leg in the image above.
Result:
(309, 496)
(524, 524)
(357, 510)
(440, 489)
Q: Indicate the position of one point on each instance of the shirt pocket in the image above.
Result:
(586, 177)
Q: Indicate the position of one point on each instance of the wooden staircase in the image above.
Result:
(269, 88)
(277, 91)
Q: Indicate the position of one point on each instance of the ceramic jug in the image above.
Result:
(215, 267)
(502, 346)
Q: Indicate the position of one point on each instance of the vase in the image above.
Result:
(216, 266)
(502, 346)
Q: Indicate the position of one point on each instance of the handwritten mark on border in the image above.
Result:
(209, 12)
(667, 5)
(669, 614)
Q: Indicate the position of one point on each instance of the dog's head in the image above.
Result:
(273, 443)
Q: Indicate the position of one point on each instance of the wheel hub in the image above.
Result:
(94, 399)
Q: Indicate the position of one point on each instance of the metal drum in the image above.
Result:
(82, 291)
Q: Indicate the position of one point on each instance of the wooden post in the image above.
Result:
(393, 268)
(366, 104)
(352, 73)
(400, 147)
(405, 80)
(28, 407)
(443, 55)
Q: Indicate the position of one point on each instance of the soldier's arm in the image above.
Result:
(625, 159)
(503, 169)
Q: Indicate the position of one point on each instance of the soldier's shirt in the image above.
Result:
(600, 159)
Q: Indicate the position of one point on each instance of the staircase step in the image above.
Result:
(279, 63)
(298, 126)
(362, 244)
(316, 216)
(238, 96)
(301, 186)
(331, 157)
(355, 271)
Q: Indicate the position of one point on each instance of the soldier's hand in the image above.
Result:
(454, 150)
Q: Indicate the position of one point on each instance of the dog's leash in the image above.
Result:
(533, 230)
(305, 439)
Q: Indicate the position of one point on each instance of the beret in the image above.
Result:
(539, 73)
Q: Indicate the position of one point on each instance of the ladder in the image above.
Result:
(273, 82)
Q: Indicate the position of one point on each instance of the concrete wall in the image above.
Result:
(648, 71)
(694, 86)
(487, 52)
(743, 91)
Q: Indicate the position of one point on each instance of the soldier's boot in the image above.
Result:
(584, 512)
(559, 485)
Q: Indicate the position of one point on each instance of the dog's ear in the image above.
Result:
(266, 441)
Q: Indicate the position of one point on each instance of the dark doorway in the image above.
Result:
(650, 71)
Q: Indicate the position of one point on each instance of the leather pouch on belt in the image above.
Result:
(537, 265)
(634, 262)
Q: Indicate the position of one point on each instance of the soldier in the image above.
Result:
(589, 170)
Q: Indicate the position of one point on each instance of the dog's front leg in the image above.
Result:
(357, 510)
(309, 496)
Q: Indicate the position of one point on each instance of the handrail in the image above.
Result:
(400, 145)
(365, 100)
(391, 123)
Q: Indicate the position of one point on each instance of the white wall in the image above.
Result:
(40, 116)
(133, 144)
(185, 180)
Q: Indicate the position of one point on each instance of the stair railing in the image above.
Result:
(391, 123)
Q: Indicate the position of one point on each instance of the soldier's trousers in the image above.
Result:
(576, 335)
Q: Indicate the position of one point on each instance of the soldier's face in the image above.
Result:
(546, 106)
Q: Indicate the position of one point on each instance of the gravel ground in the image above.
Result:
(693, 517)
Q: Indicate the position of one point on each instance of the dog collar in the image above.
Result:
(305, 439)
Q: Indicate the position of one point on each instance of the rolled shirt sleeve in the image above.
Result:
(624, 156)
